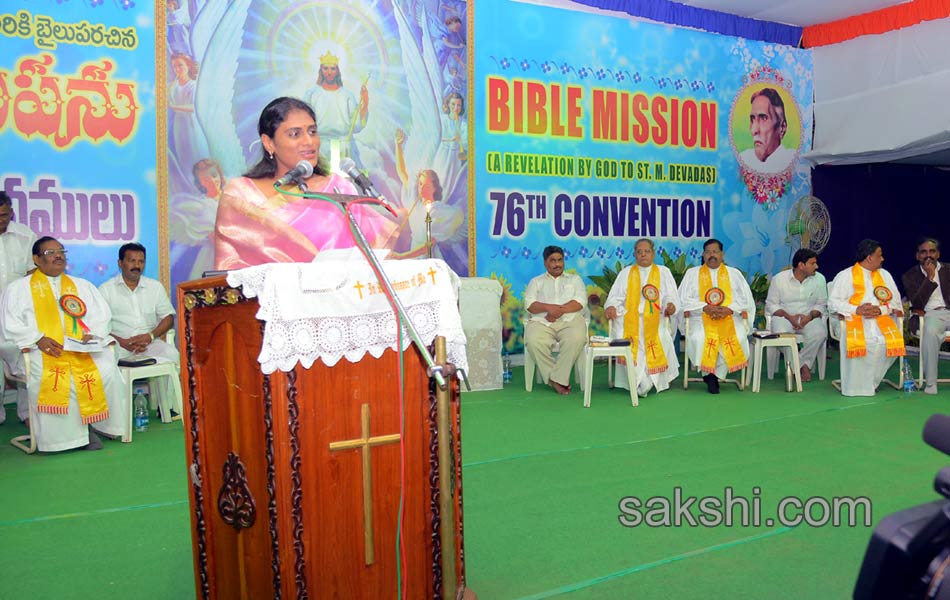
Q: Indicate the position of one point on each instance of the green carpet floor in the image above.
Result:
(542, 480)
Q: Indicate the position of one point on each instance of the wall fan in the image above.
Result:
(809, 224)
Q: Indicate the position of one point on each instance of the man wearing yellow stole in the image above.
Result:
(866, 298)
(640, 299)
(70, 392)
(720, 306)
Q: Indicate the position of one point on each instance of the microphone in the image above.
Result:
(348, 166)
(937, 433)
(303, 170)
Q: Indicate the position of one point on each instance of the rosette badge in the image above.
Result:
(715, 296)
(883, 294)
(652, 295)
(73, 306)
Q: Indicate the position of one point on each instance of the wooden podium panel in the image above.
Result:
(296, 477)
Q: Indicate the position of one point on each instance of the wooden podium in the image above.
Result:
(295, 478)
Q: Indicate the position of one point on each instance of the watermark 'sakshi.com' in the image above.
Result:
(737, 510)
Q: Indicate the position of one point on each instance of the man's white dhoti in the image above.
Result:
(860, 376)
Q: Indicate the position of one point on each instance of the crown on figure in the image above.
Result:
(329, 60)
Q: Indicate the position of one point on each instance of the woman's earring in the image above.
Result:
(271, 155)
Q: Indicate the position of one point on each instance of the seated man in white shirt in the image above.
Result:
(797, 300)
(866, 298)
(640, 300)
(555, 301)
(71, 390)
(141, 310)
(16, 260)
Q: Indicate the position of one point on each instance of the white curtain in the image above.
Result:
(883, 97)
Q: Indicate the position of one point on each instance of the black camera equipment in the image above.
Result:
(908, 557)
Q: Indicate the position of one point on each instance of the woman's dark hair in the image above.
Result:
(271, 117)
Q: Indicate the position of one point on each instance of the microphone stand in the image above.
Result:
(429, 243)
(446, 466)
(434, 370)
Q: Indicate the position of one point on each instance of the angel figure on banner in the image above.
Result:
(433, 226)
(431, 157)
(191, 222)
(186, 140)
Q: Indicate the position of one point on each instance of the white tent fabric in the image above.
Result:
(881, 97)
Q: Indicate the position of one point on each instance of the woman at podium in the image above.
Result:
(256, 224)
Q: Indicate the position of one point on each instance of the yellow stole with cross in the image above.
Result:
(59, 372)
(656, 358)
(720, 333)
(854, 328)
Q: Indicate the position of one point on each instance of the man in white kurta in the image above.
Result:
(664, 304)
(741, 310)
(18, 320)
(554, 302)
(16, 259)
(860, 375)
(797, 301)
(141, 310)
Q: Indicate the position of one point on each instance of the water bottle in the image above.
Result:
(140, 412)
(506, 367)
(910, 385)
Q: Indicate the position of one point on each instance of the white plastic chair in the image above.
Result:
(610, 352)
(740, 383)
(132, 374)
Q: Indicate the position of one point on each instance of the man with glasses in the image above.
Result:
(74, 385)
(16, 244)
(640, 300)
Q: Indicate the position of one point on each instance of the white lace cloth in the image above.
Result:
(480, 305)
(336, 308)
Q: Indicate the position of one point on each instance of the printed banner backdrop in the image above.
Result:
(593, 131)
(77, 127)
(228, 60)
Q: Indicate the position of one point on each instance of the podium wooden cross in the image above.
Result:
(365, 443)
(315, 519)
